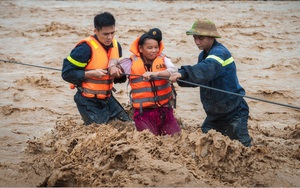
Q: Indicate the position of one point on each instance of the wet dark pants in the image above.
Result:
(234, 124)
(98, 111)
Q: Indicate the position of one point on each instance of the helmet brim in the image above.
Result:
(203, 33)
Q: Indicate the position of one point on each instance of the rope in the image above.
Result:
(15, 62)
(179, 80)
(254, 98)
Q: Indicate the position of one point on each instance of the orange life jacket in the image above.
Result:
(98, 87)
(156, 92)
(153, 93)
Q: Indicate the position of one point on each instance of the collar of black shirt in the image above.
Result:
(105, 47)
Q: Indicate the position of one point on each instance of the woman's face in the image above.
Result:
(149, 49)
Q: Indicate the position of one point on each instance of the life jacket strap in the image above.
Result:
(110, 81)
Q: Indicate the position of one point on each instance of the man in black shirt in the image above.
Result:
(90, 67)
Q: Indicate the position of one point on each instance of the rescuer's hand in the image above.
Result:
(114, 71)
(97, 73)
(175, 76)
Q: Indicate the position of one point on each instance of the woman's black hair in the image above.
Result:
(154, 33)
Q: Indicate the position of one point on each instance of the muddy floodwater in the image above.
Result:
(44, 141)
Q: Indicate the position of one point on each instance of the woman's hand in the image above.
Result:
(149, 75)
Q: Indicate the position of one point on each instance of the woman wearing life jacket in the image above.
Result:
(151, 91)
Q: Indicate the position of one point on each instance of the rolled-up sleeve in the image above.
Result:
(126, 64)
(170, 66)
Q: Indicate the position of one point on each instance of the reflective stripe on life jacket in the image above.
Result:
(149, 93)
(98, 87)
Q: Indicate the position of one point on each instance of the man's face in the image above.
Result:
(203, 42)
(106, 34)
